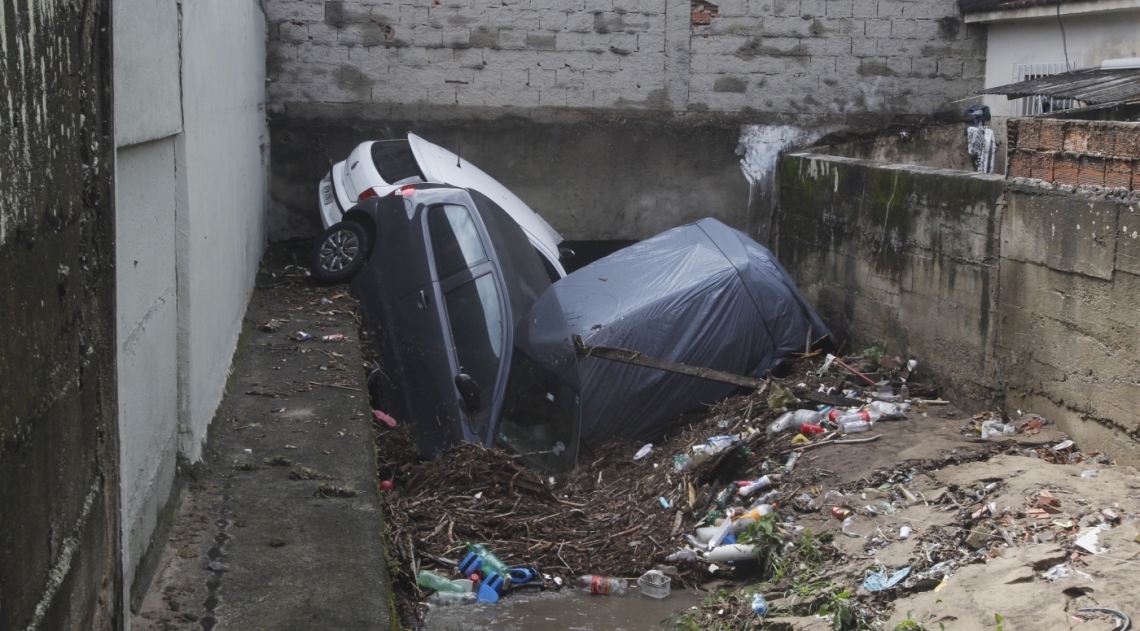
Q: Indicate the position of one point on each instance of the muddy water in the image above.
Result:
(570, 610)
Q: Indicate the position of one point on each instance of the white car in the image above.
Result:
(377, 168)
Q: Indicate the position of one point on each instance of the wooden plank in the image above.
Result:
(633, 357)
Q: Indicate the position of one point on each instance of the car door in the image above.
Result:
(473, 310)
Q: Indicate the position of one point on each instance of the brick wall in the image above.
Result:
(773, 60)
(1075, 152)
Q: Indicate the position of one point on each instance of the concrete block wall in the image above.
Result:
(1075, 152)
(787, 59)
(903, 254)
(1013, 295)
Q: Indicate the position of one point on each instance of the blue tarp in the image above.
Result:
(702, 294)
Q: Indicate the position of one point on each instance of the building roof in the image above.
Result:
(1092, 86)
(978, 6)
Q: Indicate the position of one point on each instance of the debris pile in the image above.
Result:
(793, 495)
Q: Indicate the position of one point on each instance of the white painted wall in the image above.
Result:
(190, 228)
(147, 93)
(148, 119)
(221, 222)
(147, 349)
(1091, 38)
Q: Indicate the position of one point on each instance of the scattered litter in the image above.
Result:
(300, 336)
(878, 581)
(1058, 572)
(1088, 541)
(654, 584)
(759, 605)
(643, 452)
(335, 337)
(273, 326)
(384, 418)
(215, 566)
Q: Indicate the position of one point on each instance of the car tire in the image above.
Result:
(340, 253)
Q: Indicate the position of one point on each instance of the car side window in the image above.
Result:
(477, 329)
(454, 239)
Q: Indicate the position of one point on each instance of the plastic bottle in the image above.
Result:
(784, 422)
(686, 555)
(761, 483)
(431, 580)
(904, 391)
(682, 462)
(452, 598)
(491, 563)
(997, 428)
(717, 444)
(799, 417)
(732, 552)
(860, 421)
(759, 605)
(793, 458)
(602, 585)
(700, 454)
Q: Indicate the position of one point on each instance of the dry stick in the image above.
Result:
(440, 560)
(333, 385)
(832, 441)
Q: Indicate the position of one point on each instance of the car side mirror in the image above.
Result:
(469, 390)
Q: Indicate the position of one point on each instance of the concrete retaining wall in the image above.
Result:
(1012, 295)
(59, 455)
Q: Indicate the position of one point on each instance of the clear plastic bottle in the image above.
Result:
(904, 392)
(799, 417)
(452, 598)
(856, 422)
(682, 462)
(793, 458)
(602, 585)
(888, 409)
(784, 422)
(759, 605)
(431, 580)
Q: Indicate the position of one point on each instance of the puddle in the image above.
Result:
(570, 610)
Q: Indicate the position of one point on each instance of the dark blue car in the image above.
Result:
(474, 345)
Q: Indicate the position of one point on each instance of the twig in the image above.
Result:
(333, 385)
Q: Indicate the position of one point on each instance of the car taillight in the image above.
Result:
(370, 192)
(405, 191)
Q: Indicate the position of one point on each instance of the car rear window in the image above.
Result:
(395, 161)
(455, 242)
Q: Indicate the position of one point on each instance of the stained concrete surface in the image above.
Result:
(292, 559)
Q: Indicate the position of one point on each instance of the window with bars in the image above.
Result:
(1033, 105)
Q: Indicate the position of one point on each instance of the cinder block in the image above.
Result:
(1066, 167)
(877, 28)
(891, 8)
(786, 8)
(1019, 164)
(1118, 172)
(1051, 135)
(839, 8)
(1041, 165)
(1091, 171)
(1076, 136)
(865, 8)
(1102, 139)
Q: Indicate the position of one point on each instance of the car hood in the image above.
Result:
(440, 165)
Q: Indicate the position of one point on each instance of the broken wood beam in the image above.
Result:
(634, 357)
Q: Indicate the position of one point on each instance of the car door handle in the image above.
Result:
(422, 303)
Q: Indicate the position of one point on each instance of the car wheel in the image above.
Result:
(340, 252)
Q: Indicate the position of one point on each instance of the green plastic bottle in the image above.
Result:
(431, 580)
(491, 563)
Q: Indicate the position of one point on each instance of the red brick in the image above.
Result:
(1136, 175)
(1128, 140)
(1028, 134)
(1066, 167)
(1051, 135)
(1077, 137)
(1041, 165)
(1091, 170)
(1018, 164)
(1102, 139)
(1118, 173)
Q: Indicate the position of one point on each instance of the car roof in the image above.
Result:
(440, 165)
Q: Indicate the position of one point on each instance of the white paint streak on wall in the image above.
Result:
(62, 566)
(760, 146)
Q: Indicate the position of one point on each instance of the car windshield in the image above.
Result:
(395, 162)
